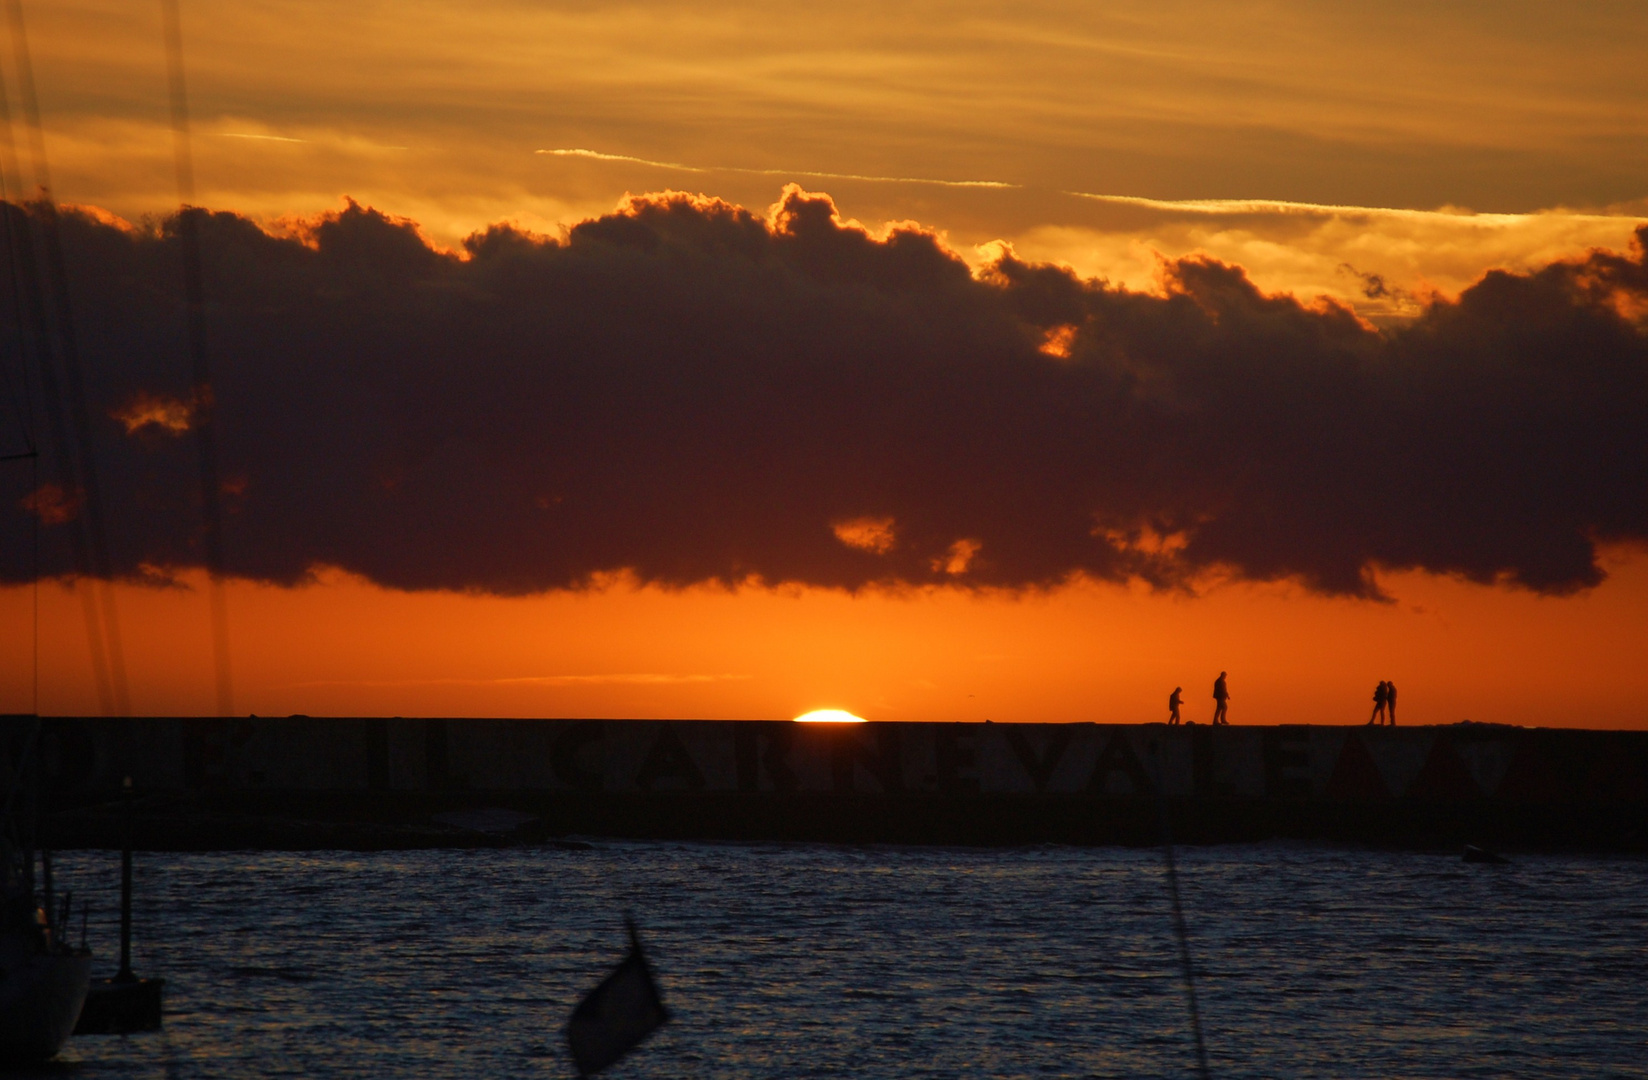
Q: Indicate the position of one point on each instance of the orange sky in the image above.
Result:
(1307, 142)
(1088, 652)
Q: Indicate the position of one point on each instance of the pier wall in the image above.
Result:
(943, 781)
(88, 756)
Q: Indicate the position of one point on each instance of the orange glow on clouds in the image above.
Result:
(1059, 341)
(875, 535)
(164, 414)
(958, 558)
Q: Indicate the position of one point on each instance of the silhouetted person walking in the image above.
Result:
(1390, 702)
(1173, 701)
(1221, 697)
(1381, 695)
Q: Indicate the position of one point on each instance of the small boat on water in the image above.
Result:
(43, 979)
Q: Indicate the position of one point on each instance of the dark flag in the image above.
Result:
(615, 1016)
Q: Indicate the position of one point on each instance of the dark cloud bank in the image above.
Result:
(695, 393)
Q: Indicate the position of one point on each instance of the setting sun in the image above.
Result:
(829, 716)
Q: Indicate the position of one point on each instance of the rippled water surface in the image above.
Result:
(793, 961)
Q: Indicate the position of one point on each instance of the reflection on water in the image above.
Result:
(786, 961)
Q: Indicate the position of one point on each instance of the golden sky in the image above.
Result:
(1518, 130)
(1376, 156)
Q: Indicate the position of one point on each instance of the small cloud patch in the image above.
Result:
(958, 558)
(146, 411)
(875, 535)
(1059, 342)
(51, 504)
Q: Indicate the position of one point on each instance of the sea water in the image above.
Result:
(815, 960)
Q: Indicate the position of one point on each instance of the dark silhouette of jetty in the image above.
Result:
(316, 783)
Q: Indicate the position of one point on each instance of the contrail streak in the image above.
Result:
(248, 135)
(596, 155)
(634, 679)
(1281, 206)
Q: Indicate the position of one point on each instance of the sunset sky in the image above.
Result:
(1014, 363)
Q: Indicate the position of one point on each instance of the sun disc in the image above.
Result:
(829, 716)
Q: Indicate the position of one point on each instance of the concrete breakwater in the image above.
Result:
(305, 782)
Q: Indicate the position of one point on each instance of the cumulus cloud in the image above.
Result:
(687, 392)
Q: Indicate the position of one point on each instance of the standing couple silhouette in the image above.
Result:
(1384, 704)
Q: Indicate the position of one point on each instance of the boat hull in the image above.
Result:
(41, 995)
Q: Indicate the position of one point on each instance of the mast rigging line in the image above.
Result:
(21, 404)
(57, 355)
(204, 402)
(25, 415)
(1181, 933)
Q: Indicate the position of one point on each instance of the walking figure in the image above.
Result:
(1381, 697)
(1220, 697)
(1390, 702)
(1173, 701)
